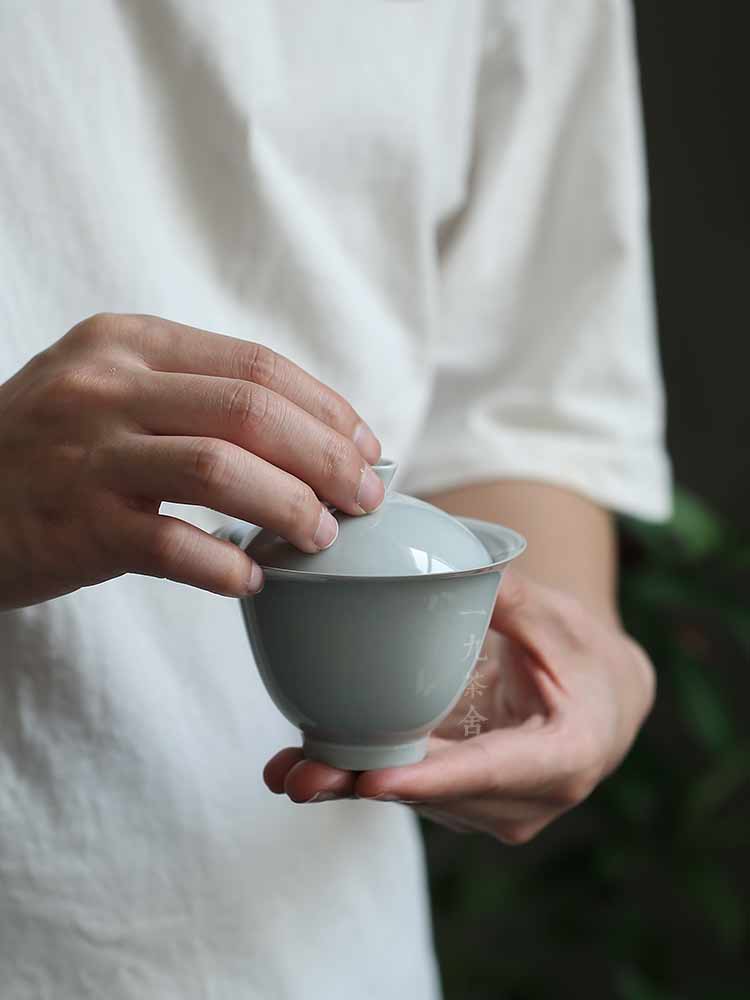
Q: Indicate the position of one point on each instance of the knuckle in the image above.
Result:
(261, 364)
(210, 464)
(139, 334)
(123, 333)
(165, 547)
(92, 326)
(95, 329)
(81, 385)
(303, 509)
(340, 461)
(246, 406)
(336, 412)
(69, 387)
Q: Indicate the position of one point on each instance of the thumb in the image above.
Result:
(547, 623)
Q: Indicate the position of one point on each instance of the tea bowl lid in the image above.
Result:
(404, 537)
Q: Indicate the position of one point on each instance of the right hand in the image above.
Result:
(127, 411)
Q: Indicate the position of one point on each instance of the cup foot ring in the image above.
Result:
(361, 757)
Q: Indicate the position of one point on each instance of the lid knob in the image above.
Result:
(385, 469)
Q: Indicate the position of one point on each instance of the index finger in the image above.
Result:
(174, 347)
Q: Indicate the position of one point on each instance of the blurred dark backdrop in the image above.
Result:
(643, 893)
(695, 87)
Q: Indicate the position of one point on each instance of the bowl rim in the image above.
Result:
(503, 543)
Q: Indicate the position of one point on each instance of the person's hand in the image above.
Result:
(127, 411)
(562, 696)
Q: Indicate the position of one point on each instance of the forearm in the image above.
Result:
(572, 543)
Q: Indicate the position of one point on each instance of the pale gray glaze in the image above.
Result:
(367, 669)
(370, 650)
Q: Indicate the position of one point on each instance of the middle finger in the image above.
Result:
(263, 422)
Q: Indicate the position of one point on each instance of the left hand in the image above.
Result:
(563, 695)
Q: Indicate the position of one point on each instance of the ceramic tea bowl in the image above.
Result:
(368, 645)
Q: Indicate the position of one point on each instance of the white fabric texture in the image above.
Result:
(437, 208)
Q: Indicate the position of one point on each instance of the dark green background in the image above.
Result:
(642, 892)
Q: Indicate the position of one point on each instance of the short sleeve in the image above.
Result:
(546, 359)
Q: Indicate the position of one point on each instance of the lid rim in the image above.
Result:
(514, 542)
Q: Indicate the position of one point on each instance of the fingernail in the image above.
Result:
(381, 797)
(322, 797)
(366, 442)
(327, 531)
(371, 491)
(257, 581)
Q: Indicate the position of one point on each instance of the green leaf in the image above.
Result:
(699, 531)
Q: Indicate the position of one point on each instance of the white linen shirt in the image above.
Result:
(437, 208)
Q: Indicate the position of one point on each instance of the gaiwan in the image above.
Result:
(368, 645)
